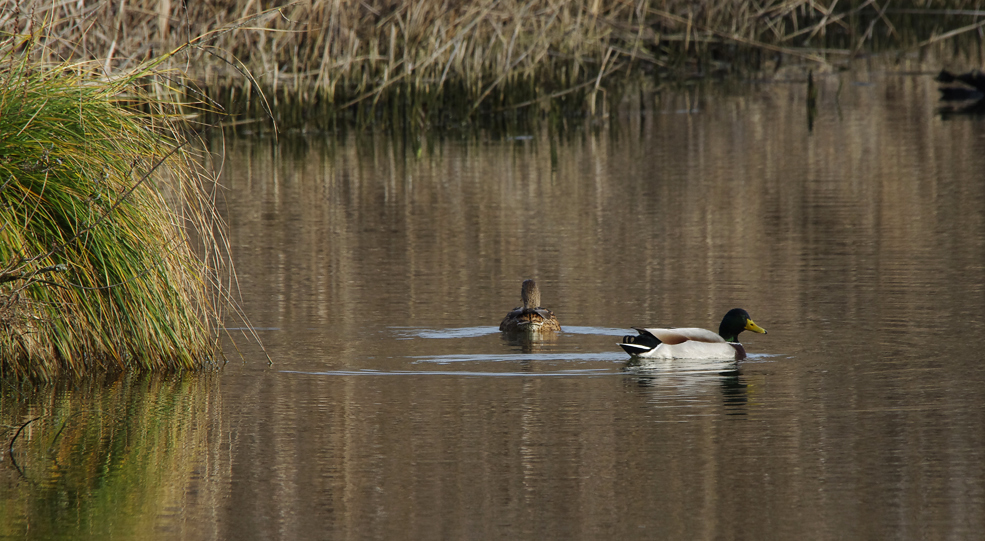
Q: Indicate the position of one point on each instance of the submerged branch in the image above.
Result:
(10, 446)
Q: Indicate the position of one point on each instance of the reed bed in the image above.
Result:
(108, 242)
(441, 61)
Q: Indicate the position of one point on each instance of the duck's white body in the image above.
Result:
(687, 343)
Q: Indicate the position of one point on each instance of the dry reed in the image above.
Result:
(441, 60)
(438, 60)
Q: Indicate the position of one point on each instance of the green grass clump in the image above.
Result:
(97, 201)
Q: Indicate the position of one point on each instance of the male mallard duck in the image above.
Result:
(694, 343)
(530, 317)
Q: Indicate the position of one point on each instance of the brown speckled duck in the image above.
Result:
(531, 317)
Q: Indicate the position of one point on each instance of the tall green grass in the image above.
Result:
(437, 62)
(101, 201)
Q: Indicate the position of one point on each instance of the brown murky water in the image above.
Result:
(377, 274)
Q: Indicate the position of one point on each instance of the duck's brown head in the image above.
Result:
(530, 294)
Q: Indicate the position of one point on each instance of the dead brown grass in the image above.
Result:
(329, 57)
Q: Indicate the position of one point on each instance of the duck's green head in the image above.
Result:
(736, 321)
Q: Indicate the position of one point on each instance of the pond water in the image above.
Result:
(376, 270)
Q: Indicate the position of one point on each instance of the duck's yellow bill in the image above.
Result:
(750, 326)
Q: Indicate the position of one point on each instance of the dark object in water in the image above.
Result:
(531, 317)
(967, 88)
(959, 93)
(973, 78)
(811, 100)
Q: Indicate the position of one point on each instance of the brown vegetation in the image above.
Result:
(439, 60)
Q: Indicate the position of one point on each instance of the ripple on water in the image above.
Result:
(473, 332)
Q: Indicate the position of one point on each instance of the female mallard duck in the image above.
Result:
(694, 343)
(530, 318)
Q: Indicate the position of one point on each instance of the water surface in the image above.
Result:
(377, 269)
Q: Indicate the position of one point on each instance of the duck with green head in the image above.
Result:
(531, 317)
(692, 342)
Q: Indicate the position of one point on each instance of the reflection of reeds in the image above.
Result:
(431, 61)
(107, 455)
(98, 200)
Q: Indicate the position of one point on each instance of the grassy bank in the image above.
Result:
(99, 199)
(437, 62)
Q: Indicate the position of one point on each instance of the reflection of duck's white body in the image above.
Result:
(692, 342)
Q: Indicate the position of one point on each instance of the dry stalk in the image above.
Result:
(354, 55)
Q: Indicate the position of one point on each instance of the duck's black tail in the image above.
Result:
(640, 344)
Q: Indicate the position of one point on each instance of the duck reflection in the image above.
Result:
(686, 379)
(531, 342)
